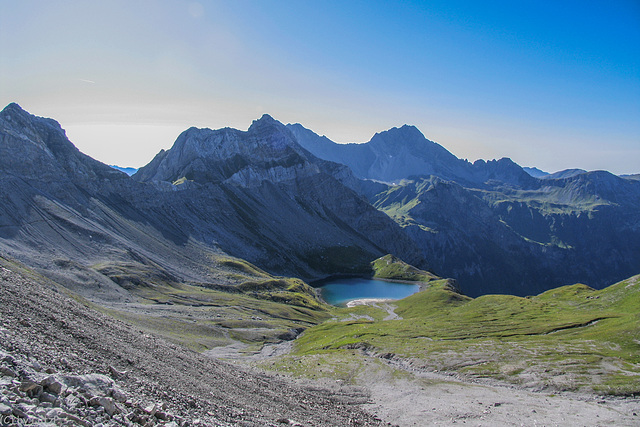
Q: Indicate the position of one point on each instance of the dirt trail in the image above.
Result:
(436, 399)
(380, 303)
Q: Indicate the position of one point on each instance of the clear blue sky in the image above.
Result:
(552, 84)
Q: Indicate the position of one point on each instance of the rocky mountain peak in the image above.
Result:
(266, 119)
(37, 148)
(399, 137)
(27, 127)
(12, 108)
(266, 151)
(503, 171)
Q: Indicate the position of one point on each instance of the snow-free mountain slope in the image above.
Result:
(258, 195)
(535, 172)
(278, 206)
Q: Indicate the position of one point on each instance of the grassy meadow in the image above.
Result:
(571, 338)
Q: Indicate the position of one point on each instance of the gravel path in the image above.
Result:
(427, 398)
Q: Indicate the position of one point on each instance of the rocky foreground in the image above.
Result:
(63, 363)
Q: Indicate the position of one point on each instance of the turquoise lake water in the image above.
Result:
(341, 291)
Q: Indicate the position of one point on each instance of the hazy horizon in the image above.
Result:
(550, 85)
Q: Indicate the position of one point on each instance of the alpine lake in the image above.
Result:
(339, 292)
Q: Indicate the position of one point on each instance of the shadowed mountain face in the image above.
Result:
(491, 225)
(266, 152)
(256, 195)
(523, 241)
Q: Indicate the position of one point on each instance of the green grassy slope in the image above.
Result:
(569, 338)
(242, 303)
(249, 305)
(390, 267)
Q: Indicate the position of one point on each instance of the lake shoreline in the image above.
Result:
(367, 301)
(341, 292)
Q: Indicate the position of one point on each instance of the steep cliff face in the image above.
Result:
(266, 152)
(64, 213)
(37, 149)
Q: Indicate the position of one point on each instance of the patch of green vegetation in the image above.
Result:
(569, 338)
(440, 297)
(358, 312)
(180, 181)
(391, 268)
(344, 367)
(242, 267)
(201, 318)
(245, 304)
(284, 290)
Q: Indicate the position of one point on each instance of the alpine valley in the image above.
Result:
(142, 282)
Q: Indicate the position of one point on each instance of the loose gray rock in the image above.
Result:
(5, 409)
(52, 385)
(30, 388)
(177, 386)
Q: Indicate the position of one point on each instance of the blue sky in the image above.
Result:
(552, 84)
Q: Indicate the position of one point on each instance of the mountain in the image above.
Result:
(263, 196)
(401, 153)
(535, 172)
(266, 152)
(389, 156)
(491, 224)
(301, 213)
(254, 195)
(129, 171)
(567, 173)
(582, 229)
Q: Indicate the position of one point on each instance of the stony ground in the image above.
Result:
(62, 363)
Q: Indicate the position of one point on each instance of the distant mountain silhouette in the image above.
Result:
(535, 172)
(401, 153)
(129, 171)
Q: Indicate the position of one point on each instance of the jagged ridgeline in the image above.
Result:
(215, 195)
(296, 204)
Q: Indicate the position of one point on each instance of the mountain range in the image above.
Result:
(493, 226)
(294, 203)
(254, 195)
